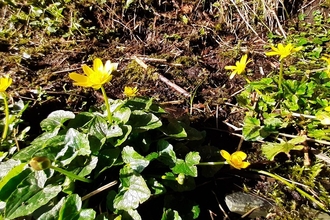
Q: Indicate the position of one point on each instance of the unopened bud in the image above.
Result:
(40, 163)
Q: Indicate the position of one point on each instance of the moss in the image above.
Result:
(187, 61)
(136, 73)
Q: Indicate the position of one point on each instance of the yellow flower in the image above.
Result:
(130, 91)
(239, 68)
(235, 159)
(327, 59)
(283, 51)
(5, 82)
(95, 77)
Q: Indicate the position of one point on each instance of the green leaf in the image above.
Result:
(174, 129)
(53, 214)
(89, 166)
(29, 195)
(251, 129)
(195, 210)
(170, 214)
(106, 159)
(69, 208)
(98, 127)
(142, 121)
(156, 187)
(130, 214)
(122, 115)
(187, 166)
(133, 190)
(146, 104)
(44, 140)
(270, 150)
(10, 169)
(55, 120)
(179, 129)
(321, 134)
(75, 144)
(166, 153)
(126, 130)
(323, 117)
(292, 103)
(134, 159)
(9, 185)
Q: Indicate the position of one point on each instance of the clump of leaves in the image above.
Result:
(130, 141)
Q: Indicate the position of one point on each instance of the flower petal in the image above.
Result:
(225, 155)
(232, 75)
(113, 67)
(230, 67)
(245, 164)
(244, 58)
(98, 65)
(87, 70)
(78, 77)
(5, 82)
(271, 53)
(240, 154)
(80, 80)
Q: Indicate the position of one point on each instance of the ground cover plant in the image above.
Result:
(164, 109)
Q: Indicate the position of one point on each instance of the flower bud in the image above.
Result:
(40, 163)
(180, 178)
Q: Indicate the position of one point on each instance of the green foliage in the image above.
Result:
(270, 150)
(83, 146)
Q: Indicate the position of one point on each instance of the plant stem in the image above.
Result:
(6, 126)
(293, 186)
(281, 76)
(69, 174)
(212, 163)
(107, 104)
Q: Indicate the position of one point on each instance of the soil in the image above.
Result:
(190, 53)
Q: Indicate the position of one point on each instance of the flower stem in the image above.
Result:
(212, 163)
(281, 76)
(70, 175)
(293, 186)
(107, 104)
(6, 126)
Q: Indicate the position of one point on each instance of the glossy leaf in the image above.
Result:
(142, 121)
(75, 144)
(29, 195)
(55, 120)
(69, 208)
(133, 190)
(10, 169)
(122, 115)
(134, 159)
(166, 153)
